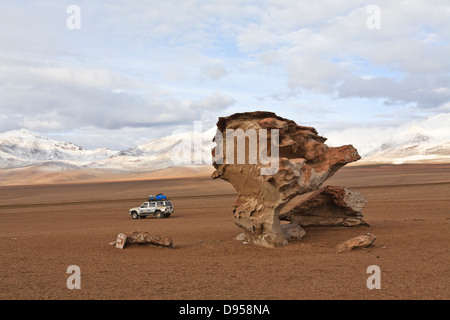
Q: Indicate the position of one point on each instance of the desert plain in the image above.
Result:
(45, 228)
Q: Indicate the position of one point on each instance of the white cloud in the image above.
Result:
(215, 71)
(216, 101)
(314, 74)
(162, 64)
(326, 46)
(100, 78)
(57, 98)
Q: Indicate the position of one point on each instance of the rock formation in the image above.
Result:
(328, 207)
(277, 161)
(137, 237)
(363, 241)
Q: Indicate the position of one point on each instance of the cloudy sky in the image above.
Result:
(129, 71)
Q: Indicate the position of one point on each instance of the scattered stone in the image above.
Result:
(137, 237)
(292, 231)
(356, 242)
(120, 241)
(303, 163)
(241, 237)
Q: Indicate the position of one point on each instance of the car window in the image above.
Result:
(168, 203)
(152, 204)
(160, 204)
(144, 205)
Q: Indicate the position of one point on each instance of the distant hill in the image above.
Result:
(24, 149)
(414, 145)
(162, 153)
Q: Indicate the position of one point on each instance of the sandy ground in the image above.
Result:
(46, 228)
(36, 175)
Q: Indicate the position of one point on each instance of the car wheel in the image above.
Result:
(134, 215)
(159, 215)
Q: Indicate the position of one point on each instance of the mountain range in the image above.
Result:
(413, 145)
(24, 149)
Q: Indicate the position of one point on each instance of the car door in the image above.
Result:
(144, 208)
(152, 207)
(161, 206)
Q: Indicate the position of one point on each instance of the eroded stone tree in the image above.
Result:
(302, 163)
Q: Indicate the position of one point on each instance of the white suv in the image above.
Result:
(160, 209)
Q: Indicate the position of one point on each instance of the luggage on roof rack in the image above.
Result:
(159, 196)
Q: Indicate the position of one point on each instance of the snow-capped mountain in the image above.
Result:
(183, 149)
(410, 146)
(413, 135)
(21, 148)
